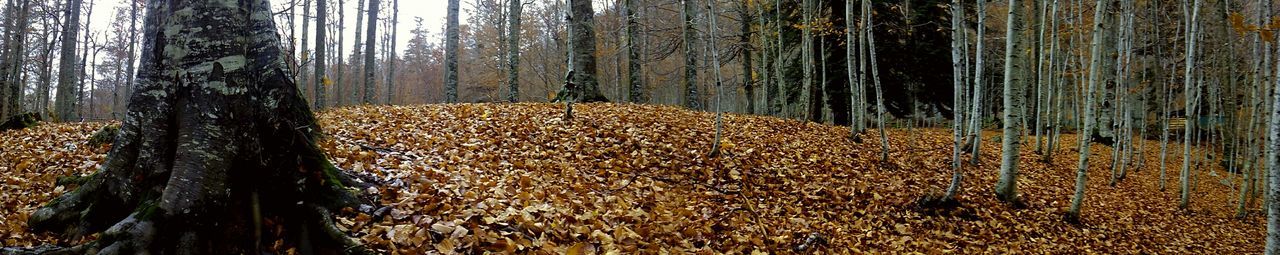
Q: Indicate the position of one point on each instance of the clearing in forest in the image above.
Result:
(630, 179)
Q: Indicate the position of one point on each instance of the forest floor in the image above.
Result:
(628, 179)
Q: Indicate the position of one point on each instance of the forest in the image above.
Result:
(639, 126)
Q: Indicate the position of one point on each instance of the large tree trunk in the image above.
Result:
(65, 105)
(1007, 187)
(201, 155)
(451, 54)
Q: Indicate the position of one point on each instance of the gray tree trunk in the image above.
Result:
(340, 98)
(583, 37)
(305, 54)
(1273, 165)
(715, 58)
(321, 24)
(513, 49)
(218, 141)
(450, 54)
(975, 122)
(958, 86)
(67, 69)
(869, 36)
(370, 68)
(744, 38)
(851, 53)
(635, 82)
(688, 32)
(133, 43)
(1095, 73)
(391, 52)
(1007, 187)
(1192, 94)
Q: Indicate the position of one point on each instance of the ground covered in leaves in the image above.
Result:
(626, 179)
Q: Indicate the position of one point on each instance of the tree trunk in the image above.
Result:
(451, 54)
(320, 80)
(65, 106)
(1007, 187)
(583, 37)
(200, 155)
(513, 49)
(391, 51)
(340, 98)
(715, 58)
(975, 112)
(690, 55)
(957, 96)
(1095, 73)
(635, 82)
(869, 36)
(1273, 165)
(133, 42)
(305, 54)
(744, 40)
(370, 67)
(1192, 94)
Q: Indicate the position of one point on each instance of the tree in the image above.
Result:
(690, 54)
(513, 50)
(635, 82)
(1273, 165)
(340, 73)
(958, 84)
(1192, 95)
(235, 128)
(321, 79)
(370, 70)
(715, 57)
(65, 106)
(868, 35)
(975, 121)
(451, 54)
(391, 60)
(583, 51)
(1007, 187)
(1095, 73)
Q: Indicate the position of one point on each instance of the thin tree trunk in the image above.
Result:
(869, 36)
(340, 98)
(958, 86)
(391, 50)
(1192, 90)
(1095, 73)
(744, 40)
(975, 122)
(715, 58)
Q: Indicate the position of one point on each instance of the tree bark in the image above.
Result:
(1007, 187)
(1192, 95)
(869, 36)
(321, 25)
(513, 49)
(199, 150)
(958, 85)
(391, 51)
(1095, 71)
(370, 67)
(1273, 165)
(688, 31)
(975, 122)
(65, 105)
(451, 54)
(635, 82)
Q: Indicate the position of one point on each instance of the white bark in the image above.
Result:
(1007, 187)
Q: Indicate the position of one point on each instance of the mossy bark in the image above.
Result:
(214, 127)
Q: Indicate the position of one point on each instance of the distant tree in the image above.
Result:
(635, 80)
(391, 50)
